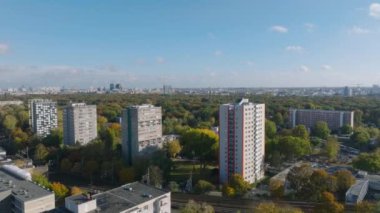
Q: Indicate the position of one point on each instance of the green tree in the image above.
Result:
(278, 119)
(60, 190)
(193, 207)
(358, 117)
(329, 204)
(299, 178)
(126, 175)
(320, 182)
(332, 148)
(66, 165)
(369, 162)
(23, 119)
(228, 191)
(40, 153)
(90, 167)
(270, 128)
(10, 122)
(239, 185)
(373, 132)
(321, 130)
(365, 207)
(269, 207)
(203, 143)
(361, 137)
(174, 147)
(345, 180)
(293, 147)
(203, 186)
(55, 138)
(41, 179)
(75, 190)
(346, 129)
(173, 186)
(301, 132)
(276, 188)
(155, 176)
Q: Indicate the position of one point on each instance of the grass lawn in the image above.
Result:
(183, 170)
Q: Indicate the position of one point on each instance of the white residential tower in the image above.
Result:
(242, 140)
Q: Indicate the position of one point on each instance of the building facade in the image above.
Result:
(141, 130)
(43, 116)
(334, 119)
(79, 124)
(242, 140)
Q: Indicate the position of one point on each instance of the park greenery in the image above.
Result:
(191, 117)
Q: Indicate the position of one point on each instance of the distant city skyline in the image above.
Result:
(146, 44)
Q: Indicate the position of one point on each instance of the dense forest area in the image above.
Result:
(190, 116)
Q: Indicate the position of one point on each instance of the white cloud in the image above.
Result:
(279, 29)
(326, 67)
(359, 30)
(3, 48)
(218, 53)
(160, 60)
(294, 48)
(374, 10)
(309, 27)
(304, 69)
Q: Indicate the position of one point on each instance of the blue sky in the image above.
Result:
(189, 43)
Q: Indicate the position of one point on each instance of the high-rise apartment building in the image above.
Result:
(242, 140)
(43, 116)
(167, 90)
(79, 124)
(141, 130)
(309, 117)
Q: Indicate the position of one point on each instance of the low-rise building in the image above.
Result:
(19, 194)
(309, 117)
(130, 198)
(357, 192)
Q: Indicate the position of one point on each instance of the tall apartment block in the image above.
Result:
(79, 124)
(43, 116)
(334, 119)
(242, 140)
(141, 131)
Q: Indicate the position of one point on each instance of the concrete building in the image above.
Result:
(7, 103)
(18, 194)
(356, 193)
(308, 117)
(167, 90)
(141, 131)
(347, 91)
(132, 198)
(43, 116)
(242, 140)
(79, 124)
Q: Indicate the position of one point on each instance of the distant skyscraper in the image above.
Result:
(79, 124)
(347, 91)
(242, 140)
(112, 86)
(167, 90)
(309, 117)
(42, 116)
(141, 130)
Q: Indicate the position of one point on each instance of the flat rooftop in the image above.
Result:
(126, 196)
(122, 198)
(22, 189)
